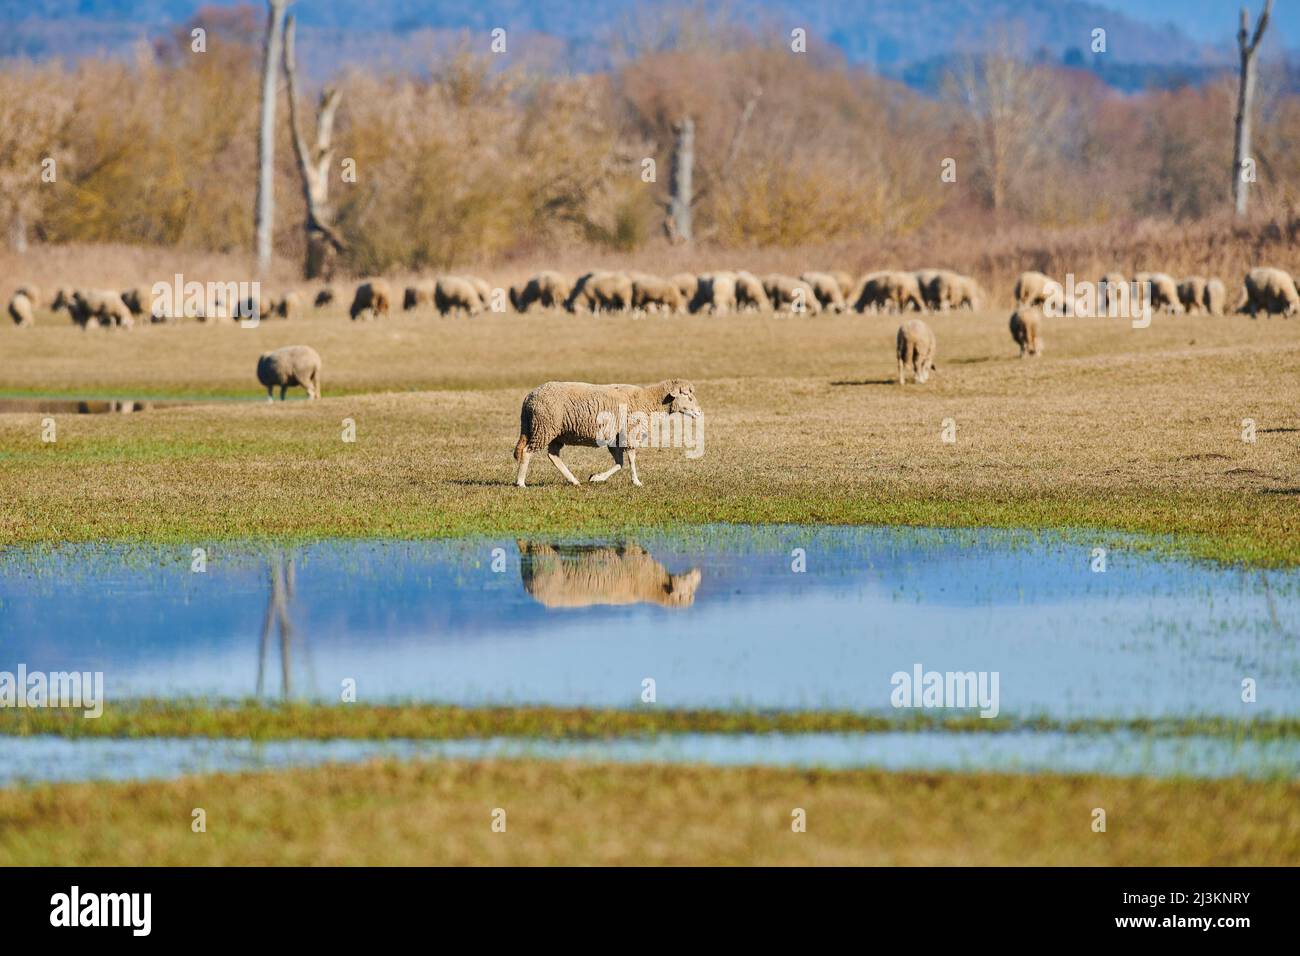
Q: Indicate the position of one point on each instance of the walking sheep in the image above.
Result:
(582, 575)
(916, 347)
(287, 367)
(575, 413)
(1026, 324)
(371, 300)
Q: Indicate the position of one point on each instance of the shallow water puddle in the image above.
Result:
(720, 617)
(58, 759)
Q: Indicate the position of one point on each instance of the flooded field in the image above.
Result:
(772, 618)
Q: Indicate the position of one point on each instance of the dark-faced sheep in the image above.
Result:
(575, 413)
(1271, 290)
(372, 299)
(916, 348)
(284, 368)
(324, 297)
(419, 295)
(99, 307)
(550, 290)
(1026, 330)
(457, 294)
(21, 310)
(716, 294)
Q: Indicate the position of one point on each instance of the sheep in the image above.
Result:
(418, 295)
(750, 295)
(687, 285)
(456, 294)
(902, 290)
(1272, 290)
(951, 290)
(324, 297)
(826, 289)
(139, 301)
(1191, 294)
(259, 306)
(289, 307)
(582, 575)
(483, 289)
(924, 280)
(716, 294)
(1026, 325)
(1164, 291)
(96, 307)
(1215, 298)
(287, 367)
(547, 289)
(869, 293)
(1034, 288)
(575, 413)
(789, 294)
(653, 294)
(371, 300)
(916, 347)
(21, 310)
(601, 292)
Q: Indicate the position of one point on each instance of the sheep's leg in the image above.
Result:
(901, 372)
(553, 450)
(631, 461)
(270, 393)
(524, 458)
(283, 389)
(618, 463)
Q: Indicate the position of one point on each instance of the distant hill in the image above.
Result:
(1149, 42)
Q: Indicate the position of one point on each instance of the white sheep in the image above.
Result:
(576, 413)
(916, 347)
(21, 310)
(1026, 326)
(287, 367)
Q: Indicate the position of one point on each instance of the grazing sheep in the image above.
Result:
(260, 306)
(548, 289)
(21, 310)
(583, 575)
(750, 295)
(483, 289)
(420, 294)
(97, 307)
(869, 293)
(1191, 294)
(324, 297)
(653, 294)
(371, 300)
(687, 285)
(826, 289)
(1164, 291)
(456, 294)
(925, 279)
(1272, 290)
(789, 294)
(601, 292)
(1026, 326)
(139, 301)
(570, 413)
(951, 290)
(33, 292)
(1216, 297)
(716, 294)
(1111, 280)
(287, 367)
(916, 347)
(902, 290)
(290, 307)
(1033, 288)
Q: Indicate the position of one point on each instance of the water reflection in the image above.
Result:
(583, 575)
(283, 580)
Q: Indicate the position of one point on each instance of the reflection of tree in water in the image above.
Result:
(582, 575)
(283, 585)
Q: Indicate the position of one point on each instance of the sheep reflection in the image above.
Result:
(583, 575)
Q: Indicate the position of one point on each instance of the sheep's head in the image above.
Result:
(62, 300)
(681, 399)
(680, 589)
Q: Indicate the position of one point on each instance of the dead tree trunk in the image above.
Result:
(1247, 46)
(323, 243)
(264, 213)
(680, 188)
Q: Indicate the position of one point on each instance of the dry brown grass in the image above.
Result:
(1114, 428)
(440, 813)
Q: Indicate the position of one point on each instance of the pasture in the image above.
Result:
(1112, 429)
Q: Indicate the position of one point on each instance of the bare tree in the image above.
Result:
(680, 188)
(264, 212)
(323, 243)
(1247, 45)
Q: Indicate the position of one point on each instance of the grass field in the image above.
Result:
(441, 813)
(1114, 428)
